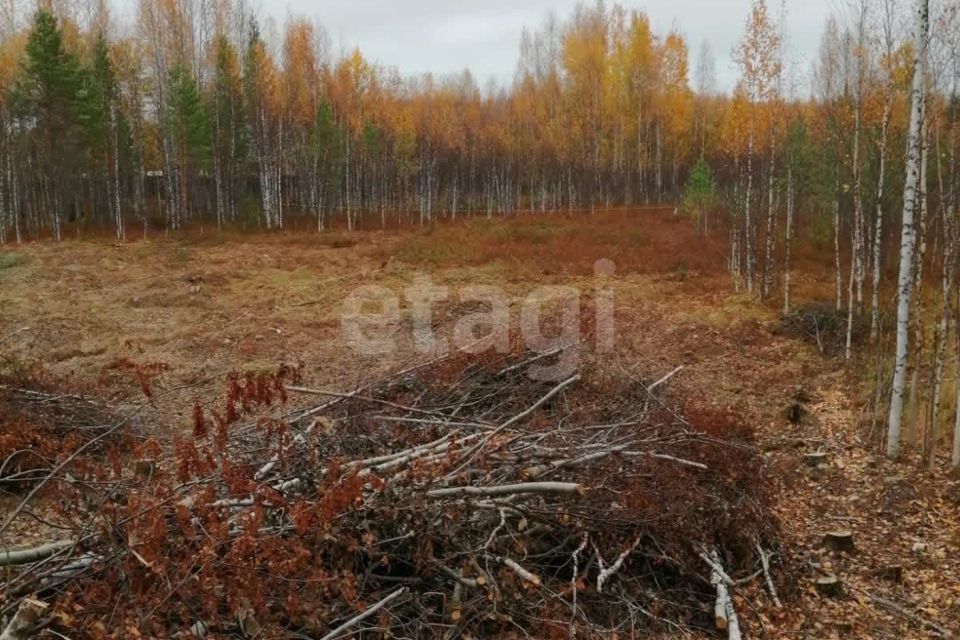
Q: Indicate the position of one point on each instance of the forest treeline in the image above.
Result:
(200, 113)
(203, 112)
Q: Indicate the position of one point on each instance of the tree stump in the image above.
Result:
(839, 541)
(829, 586)
(795, 413)
(893, 573)
(815, 459)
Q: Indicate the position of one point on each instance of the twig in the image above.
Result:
(765, 563)
(366, 614)
(460, 578)
(532, 578)
(663, 456)
(540, 470)
(607, 573)
(520, 416)
(714, 561)
(906, 613)
(664, 379)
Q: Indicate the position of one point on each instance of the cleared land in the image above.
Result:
(177, 315)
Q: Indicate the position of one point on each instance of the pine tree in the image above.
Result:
(189, 127)
(47, 95)
(698, 194)
(100, 120)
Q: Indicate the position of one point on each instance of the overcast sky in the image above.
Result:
(446, 36)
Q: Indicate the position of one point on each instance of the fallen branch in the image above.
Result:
(663, 456)
(530, 577)
(508, 489)
(664, 379)
(607, 573)
(26, 556)
(765, 563)
(910, 615)
(461, 579)
(357, 619)
(520, 416)
(532, 473)
(714, 561)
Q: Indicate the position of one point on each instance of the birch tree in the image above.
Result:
(888, 64)
(757, 56)
(908, 233)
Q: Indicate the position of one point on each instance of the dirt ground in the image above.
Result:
(189, 311)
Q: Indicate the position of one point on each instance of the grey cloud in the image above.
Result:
(445, 36)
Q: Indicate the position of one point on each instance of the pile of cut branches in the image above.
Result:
(824, 326)
(458, 497)
(44, 423)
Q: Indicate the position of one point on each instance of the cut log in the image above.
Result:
(724, 614)
(839, 541)
(829, 586)
(720, 608)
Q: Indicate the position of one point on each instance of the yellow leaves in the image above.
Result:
(11, 52)
(301, 79)
(676, 98)
(758, 54)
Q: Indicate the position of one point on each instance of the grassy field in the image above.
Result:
(179, 314)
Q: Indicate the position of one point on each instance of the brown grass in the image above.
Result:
(646, 241)
(208, 304)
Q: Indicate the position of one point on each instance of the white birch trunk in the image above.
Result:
(917, 319)
(905, 281)
(941, 353)
(768, 249)
(746, 215)
(878, 227)
(115, 143)
(836, 250)
(856, 248)
(787, 243)
(955, 458)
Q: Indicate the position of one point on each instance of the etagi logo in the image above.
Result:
(371, 316)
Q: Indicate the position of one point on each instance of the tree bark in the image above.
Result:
(905, 280)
